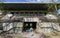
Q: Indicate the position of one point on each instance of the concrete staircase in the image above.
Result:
(7, 28)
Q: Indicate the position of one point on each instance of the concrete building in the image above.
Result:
(19, 17)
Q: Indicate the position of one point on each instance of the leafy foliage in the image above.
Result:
(58, 6)
(1, 7)
(50, 7)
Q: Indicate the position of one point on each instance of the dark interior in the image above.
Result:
(1, 27)
(29, 13)
(28, 25)
(25, 6)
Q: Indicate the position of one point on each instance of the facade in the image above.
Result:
(20, 17)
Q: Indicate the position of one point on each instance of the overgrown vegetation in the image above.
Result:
(50, 7)
(1, 6)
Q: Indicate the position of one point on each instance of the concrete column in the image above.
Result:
(38, 27)
(20, 27)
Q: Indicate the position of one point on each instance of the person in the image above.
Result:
(31, 32)
(31, 29)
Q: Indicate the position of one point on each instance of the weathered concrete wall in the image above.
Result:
(47, 27)
(56, 26)
(19, 24)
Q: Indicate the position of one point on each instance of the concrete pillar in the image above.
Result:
(19, 27)
(38, 27)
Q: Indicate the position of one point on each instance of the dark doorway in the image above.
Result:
(28, 25)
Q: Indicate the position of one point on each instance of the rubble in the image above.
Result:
(56, 26)
(51, 16)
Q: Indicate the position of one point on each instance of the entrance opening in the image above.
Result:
(28, 25)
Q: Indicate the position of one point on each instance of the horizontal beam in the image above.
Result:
(10, 21)
(19, 20)
(33, 2)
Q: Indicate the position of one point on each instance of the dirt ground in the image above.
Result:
(35, 35)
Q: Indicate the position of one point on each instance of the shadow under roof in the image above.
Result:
(25, 6)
